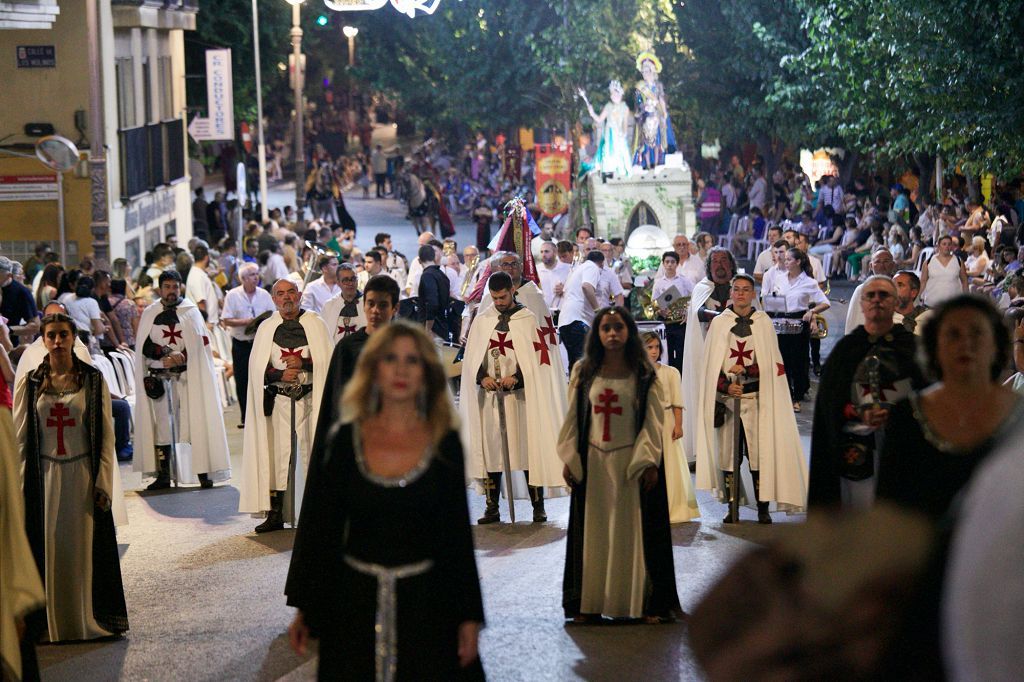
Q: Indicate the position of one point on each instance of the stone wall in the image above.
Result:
(667, 192)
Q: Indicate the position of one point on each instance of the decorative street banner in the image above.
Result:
(28, 187)
(219, 97)
(553, 173)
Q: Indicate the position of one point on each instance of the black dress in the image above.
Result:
(355, 530)
(919, 470)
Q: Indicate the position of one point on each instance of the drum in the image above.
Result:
(657, 327)
(785, 325)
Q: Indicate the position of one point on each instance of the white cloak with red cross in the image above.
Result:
(782, 460)
(339, 327)
(254, 485)
(544, 394)
(208, 451)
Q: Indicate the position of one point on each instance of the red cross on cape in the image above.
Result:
(547, 332)
(780, 369)
(542, 349)
(741, 353)
(502, 343)
(346, 329)
(172, 334)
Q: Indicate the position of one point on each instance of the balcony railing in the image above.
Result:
(151, 156)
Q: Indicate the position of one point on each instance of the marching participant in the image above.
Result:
(242, 306)
(178, 408)
(675, 329)
(742, 360)
(518, 400)
(287, 371)
(323, 288)
(552, 274)
(682, 502)
(709, 298)
(343, 314)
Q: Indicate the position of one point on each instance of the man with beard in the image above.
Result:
(287, 372)
(868, 371)
(343, 314)
(509, 359)
(882, 263)
(552, 273)
(709, 298)
(175, 371)
(908, 287)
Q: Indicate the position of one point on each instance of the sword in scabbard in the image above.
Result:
(294, 393)
(172, 452)
(737, 459)
(506, 462)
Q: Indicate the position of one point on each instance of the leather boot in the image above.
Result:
(727, 475)
(762, 507)
(537, 499)
(492, 488)
(163, 463)
(204, 481)
(274, 519)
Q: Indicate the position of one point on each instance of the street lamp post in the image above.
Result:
(261, 149)
(351, 32)
(300, 152)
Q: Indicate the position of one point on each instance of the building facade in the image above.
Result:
(145, 187)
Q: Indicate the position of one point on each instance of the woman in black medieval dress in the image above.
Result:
(383, 571)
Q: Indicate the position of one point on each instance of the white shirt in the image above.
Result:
(549, 277)
(832, 196)
(818, 273)
(574, 304)
(238, 305)
(274, 270)
(317, 293)
(663, 284)
(82, 310)
(758, 193)
(199, 287)
(455, 277)
(729, 194)
(412, 280)
(800, 293)
(609, 287)
(692, 268)
(764, 262)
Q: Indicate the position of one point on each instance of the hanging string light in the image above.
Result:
(406, 7)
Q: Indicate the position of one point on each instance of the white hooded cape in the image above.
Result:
(544, 384)
(693, 355)
(783, 465)
(254, 488)
(331, 315)
(208, 450)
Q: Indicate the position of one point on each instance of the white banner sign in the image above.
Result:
(219, 95)
(28, 187)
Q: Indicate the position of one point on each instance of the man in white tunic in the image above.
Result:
(509, 359)
(176, 366)
(742, 360)
(344, 314)
(199, 288)
(287, 370)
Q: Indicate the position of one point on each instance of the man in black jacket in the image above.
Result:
(380, 303)
(434, 292)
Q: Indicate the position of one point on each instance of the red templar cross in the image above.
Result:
(741, 353)
(501, 343)
(547, 332)
(58, 412)
(607, 399)
(866, 390)
(172, 334)
(291, 353)
(542, 348)
(346, 329)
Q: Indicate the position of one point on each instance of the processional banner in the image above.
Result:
(553, 177)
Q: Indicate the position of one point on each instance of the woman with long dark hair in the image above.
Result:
(383, 571)
(66, 434)
(49, 284)
(618, 555)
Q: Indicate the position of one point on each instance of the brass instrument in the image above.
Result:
(819, 327)
(471, 266)
(312, 266)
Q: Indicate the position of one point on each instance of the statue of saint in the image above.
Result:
(653, 137)
(613, 155)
